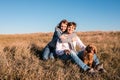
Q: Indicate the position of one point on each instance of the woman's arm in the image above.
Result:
(65, 38)
(58, 32)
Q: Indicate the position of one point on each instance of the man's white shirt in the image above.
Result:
(60, 47)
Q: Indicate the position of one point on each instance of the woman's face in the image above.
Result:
(70, 29)
(63, 27)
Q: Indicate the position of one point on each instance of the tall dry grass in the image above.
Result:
(20, 57)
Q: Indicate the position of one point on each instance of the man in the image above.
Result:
(67, 50)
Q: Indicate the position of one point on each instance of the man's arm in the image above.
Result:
(80, 43)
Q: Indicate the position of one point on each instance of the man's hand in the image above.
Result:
(67, 52)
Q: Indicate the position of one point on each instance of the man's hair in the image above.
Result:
(72, 23)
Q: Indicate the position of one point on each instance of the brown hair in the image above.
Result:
(72, 23)
(63, 21)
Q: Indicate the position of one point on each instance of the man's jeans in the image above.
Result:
(76, 57)
(96, 60)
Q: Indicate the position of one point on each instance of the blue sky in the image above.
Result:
(32, 16)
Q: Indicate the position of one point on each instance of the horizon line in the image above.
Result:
(53, 32)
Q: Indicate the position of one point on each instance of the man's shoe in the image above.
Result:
(100, 68)
(91, 71)
(103, 70)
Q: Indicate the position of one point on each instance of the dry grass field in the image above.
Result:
(20, 57)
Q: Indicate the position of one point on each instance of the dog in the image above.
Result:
(88, 55)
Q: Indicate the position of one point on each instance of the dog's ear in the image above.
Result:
(87, 48)
(95, 49)
(85, 53)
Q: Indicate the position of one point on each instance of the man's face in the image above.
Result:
(70, 29)
(63, 27)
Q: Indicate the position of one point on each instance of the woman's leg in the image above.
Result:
(51, 55)
(46, 52)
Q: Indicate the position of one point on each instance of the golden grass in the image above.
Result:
(20, 57)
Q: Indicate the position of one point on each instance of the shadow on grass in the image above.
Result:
(36, 50)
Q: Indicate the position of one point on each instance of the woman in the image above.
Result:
(50, 47)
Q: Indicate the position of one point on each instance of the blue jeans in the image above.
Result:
(76, 57)
(96, 60)
(47, 52)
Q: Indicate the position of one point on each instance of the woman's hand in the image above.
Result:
(63, 37)
(74, 39)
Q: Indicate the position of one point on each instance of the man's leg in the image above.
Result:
(98, 65)
(64, 57)
(79, 62)
(80, 54)
(96, 60)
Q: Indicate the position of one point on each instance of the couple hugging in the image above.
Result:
(63, 44)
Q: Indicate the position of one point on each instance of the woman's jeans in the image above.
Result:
(76, 57)
(48, 53)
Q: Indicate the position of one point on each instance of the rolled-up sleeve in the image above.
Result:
(80, 43)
